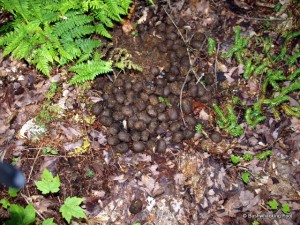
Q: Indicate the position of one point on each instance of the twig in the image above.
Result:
(37, 212)
(216, 62)
(180, 98)
(35, 159)
(264, 19)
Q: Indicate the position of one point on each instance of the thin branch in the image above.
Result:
(216, 62)
(264, 19)
(28, 201)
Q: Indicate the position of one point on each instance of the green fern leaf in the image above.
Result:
(92, 4)
(63, 6)
(100, 29)
(125, 4)
(73, 50)
(18, 35)
(71, 21)
(87, 45)
(88, 71)
(84, 57)
(42, 64)
(102, 16)
(78, 32)
(16, 7)
(22, 50)
(114, 9)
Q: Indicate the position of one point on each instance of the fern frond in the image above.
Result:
(42, 63)
(22, 50)
(92, 4)
(16, 7)
(72, 21)
(73, 50)
(87, 45)
(88, 71)
(102, 16)
(63, 6)
(17, 36)
(45, 32)
(125, 4)
(79, 31)
(115, 10)
(100, 29)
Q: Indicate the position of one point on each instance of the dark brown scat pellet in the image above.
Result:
(113, 140)
(136, 206)
(161, 146)
(187, 105)
(138, 146)
(127, 111)
(139, 125)
(151, 111)
(173, 114)
(121, 148)
(97, 108)
(106, 121)
(135, 135)
(114, 129)
(216, 137)
(124, 136)
(177, 137)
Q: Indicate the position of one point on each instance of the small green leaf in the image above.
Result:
(164, 100)
(285, 208)
(247, 157)
(48, 183)
(21, 216)
(5, 203)
(245, 177)
(255, 222)
(211, 46)
(235, 159)
(49, 150)
(273, 204)
(71, 209)
(49, 221)
(277, 7)
(198, 128)
(13, 192)
(264, 155)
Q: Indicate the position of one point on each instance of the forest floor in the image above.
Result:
(164, 175)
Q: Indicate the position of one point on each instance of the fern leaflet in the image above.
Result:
(88, 71)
